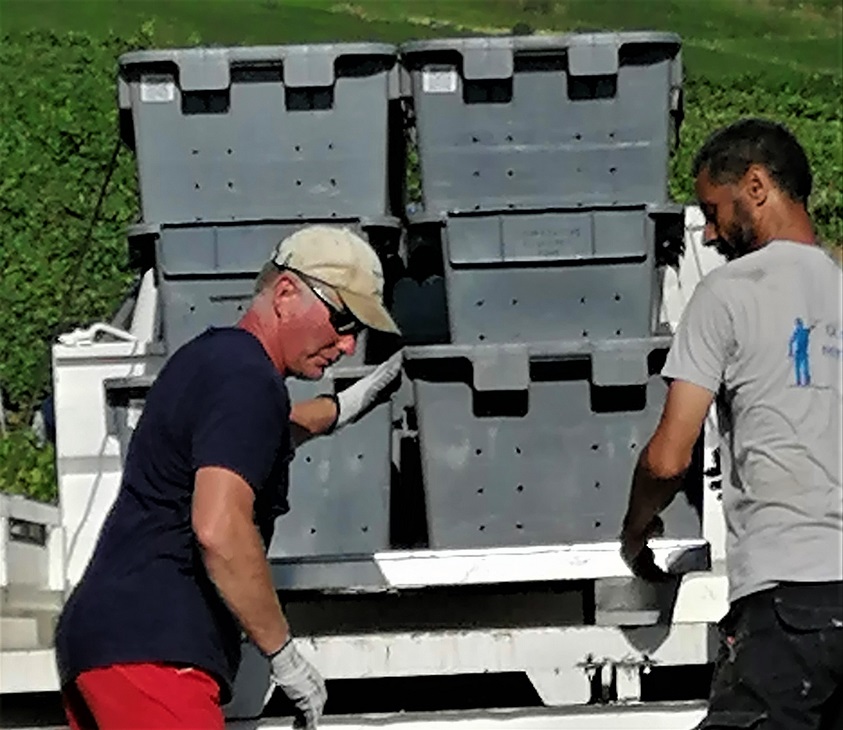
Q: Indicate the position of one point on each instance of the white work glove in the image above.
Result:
(355, 399)
(301, 682)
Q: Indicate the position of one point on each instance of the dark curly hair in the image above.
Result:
(730, 151)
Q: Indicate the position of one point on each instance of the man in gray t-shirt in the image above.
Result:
(762, 334)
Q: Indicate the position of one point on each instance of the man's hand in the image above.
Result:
(638, 555)
(355, 399)
(301, 682)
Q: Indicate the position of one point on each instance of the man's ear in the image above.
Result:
(285, 288)
(757, 184)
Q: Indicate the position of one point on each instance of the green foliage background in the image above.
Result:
(59, 133)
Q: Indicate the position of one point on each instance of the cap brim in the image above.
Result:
(369, 311)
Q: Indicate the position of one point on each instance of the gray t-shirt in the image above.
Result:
(764, 332)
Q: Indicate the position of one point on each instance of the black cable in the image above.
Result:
(80, 254)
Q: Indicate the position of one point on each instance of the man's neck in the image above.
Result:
(252, 323)
(791, 223)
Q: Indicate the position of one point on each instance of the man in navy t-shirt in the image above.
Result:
(150, 637)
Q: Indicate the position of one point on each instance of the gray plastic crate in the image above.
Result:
(530, 122)
(206, 273)
(522, 446)
(587, 273)
(339, 486)
(264, 132)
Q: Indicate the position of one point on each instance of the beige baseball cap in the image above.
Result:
(345, 262)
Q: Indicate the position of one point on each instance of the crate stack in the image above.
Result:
(236, 148)
(544, 169)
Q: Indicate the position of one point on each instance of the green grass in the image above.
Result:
(721, 38)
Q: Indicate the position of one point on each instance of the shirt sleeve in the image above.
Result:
(242, 424)
(702, 341)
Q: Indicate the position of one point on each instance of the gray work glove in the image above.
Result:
(301, 682)
(355, 399)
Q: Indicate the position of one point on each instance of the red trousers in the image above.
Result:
(143, 697)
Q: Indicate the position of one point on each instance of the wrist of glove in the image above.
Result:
(352, 402)
(301, 682)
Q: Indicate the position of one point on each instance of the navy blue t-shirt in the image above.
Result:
(145, 595)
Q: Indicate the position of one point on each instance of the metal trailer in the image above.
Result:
(402, 613)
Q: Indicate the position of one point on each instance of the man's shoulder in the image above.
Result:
(231, 356)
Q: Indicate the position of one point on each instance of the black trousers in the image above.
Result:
(780, 664)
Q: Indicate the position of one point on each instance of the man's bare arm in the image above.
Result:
(311, 418)
(234, 555)
(660, 471)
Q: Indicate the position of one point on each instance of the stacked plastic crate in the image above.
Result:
(544, 164)
(236, 148)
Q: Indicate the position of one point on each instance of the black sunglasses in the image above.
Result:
(341, 318)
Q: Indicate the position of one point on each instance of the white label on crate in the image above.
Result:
(439, 82)
(157, 89)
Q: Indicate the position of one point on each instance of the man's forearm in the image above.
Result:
(238, 568)
(650, 494)
(312, 417)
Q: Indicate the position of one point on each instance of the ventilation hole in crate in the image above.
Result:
(330, 145)
(582, 300)
(479, 303)
(476, 207)
(611, 135)
(298, 185)
(613, 170)
(229, 151)
(597, 485)
(585, 333)
(481, 528)
(517, 449)
(239, 307)
(476, 173)
(519, 526)
(365, 528)
(510, 205)
(617, 297)
(519, 488)
(359, 457)
(196, 186)
(298, 148)
(618, 332)
(577, 136)
(633, 445)
(509, 138)
(194, 152)
(192, 308)
(514, 302)
(478, 451)
(594, 447)
(481, 337)
(230, 185)
(333, 182)
(480, 490)
(333, 214)
(474, 139)
(312, 530)
(597, 523)
(308, 459)
(510, 173)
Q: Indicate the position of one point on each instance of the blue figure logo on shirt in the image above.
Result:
(798, 352)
